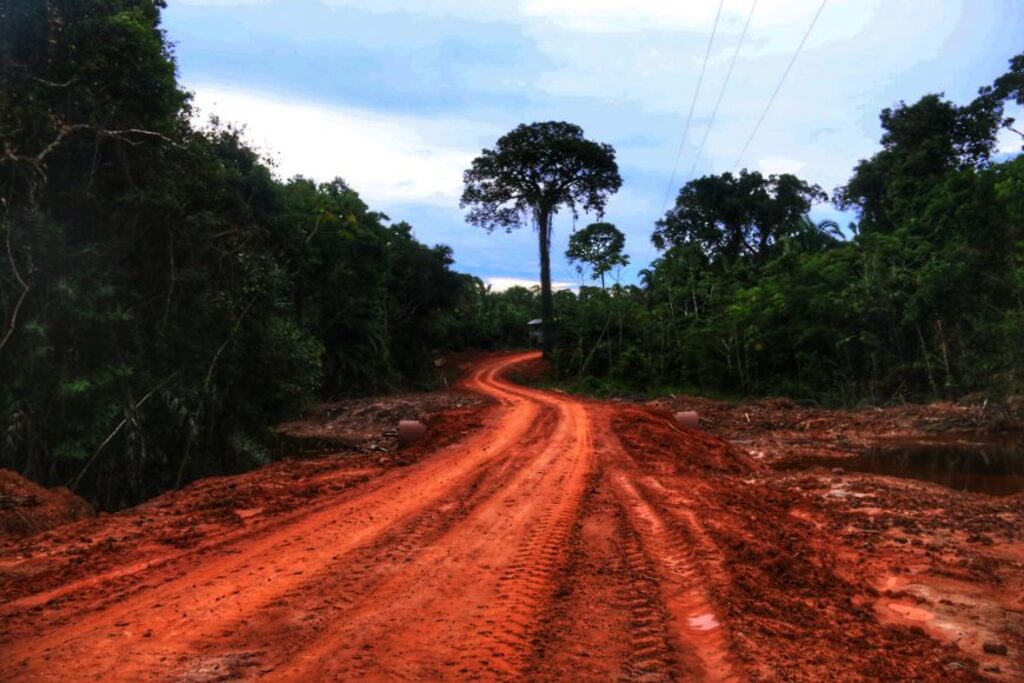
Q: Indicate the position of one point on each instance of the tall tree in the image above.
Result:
(600, 246)
(534, 171)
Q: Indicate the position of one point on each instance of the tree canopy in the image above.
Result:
(922, 297)
(737, 217)
(164, 298)
(534, 171)
(600, 246)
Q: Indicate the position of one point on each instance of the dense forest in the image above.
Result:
(922, 297)
(165, 298)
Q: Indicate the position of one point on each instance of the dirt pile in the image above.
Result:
(368, 425)
(530, 372)
(781, 429)
(765, 554)
(27, 508)
(693, 450)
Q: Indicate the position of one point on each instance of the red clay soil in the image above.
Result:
(539, 537)
(779, 429)
(26, 508)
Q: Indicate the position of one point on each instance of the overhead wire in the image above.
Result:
(689, 117)
(778, 87)
(721, 93)
(693, 104)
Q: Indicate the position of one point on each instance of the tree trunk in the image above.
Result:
(544, 240)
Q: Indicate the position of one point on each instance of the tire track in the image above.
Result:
(355, 578)
(179, 600)
(479, 585)
(528, 583)
(652, 655)
(699, 631)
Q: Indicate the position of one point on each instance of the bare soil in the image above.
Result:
(370, 425)
(532, 536)
(780, 429)
(27, 508)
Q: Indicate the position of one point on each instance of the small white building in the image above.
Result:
(536, 331)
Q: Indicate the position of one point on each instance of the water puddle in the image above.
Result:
(994, 466)
(703, 622)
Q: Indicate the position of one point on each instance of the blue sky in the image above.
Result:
(397, 97)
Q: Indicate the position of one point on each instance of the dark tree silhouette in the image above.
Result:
(733, 218)
(532, 172)
(600, 246)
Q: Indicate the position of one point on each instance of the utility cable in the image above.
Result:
(721, 93)
(689, 119)
(693, 104)
(778, 87)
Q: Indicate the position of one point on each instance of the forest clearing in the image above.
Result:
(533, 536)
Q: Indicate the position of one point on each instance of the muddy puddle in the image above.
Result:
(993, 466)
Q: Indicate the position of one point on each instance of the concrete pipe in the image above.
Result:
(688, 418)
(409, 431)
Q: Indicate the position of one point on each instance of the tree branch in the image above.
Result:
(53, 84)
(135, 406)
(234, 331)
(14, 317)
(64, 130)
(25, 287)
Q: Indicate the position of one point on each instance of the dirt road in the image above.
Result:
(563, 540)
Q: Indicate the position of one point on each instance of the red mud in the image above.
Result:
(538, 537)
(27, 508)
(778, 429)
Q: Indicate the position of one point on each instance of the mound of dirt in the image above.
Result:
(27, 508)
(368, 425)
(780, 430)
(694, 450)
(531, 371)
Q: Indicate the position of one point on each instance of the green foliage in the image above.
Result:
(737, 219)
(600, 246)
(749, 296)
(163, 298)
(534, 171)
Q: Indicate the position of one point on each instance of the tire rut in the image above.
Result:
(475, 563)
(652, 655)
(354, 578)
(517, 533)
(212, 598)
(701, 635)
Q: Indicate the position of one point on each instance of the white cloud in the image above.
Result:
(609, 16)
(385, 158)
(778, 165)
(615, 16)
(500, 284)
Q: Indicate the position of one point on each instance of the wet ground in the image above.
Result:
(992, 464)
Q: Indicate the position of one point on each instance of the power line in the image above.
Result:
(721, 93)
(689, 118)
(693, 104)
(779, 86)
